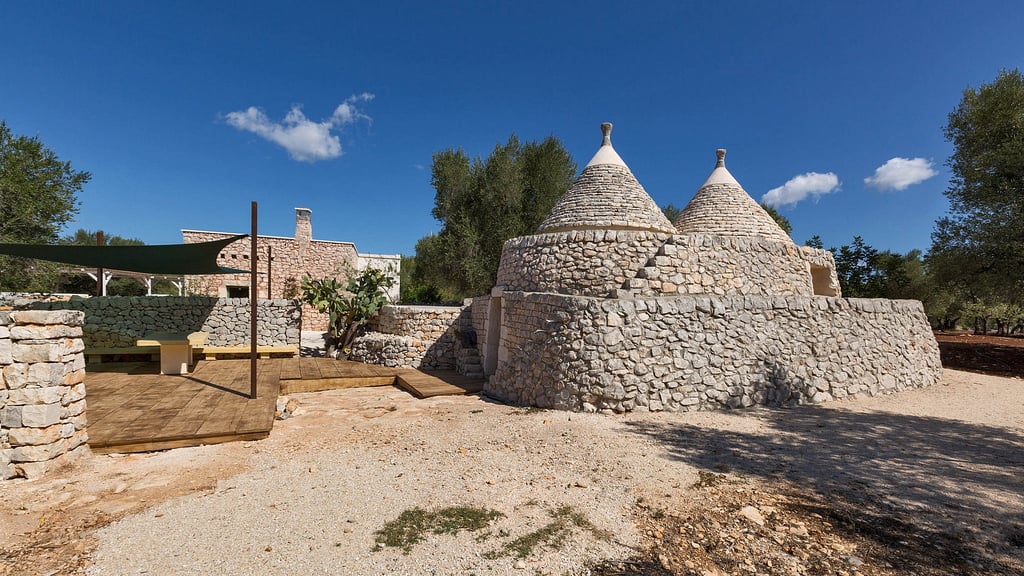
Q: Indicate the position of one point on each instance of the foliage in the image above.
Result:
(815, 242)
(290, 288)
(37, 198)
(978, 248)
(414, 290)
(82, 284)
(483, 203)
(671, 212)
(412, 525)
(552, 535)
(781, 220)
(349, 306)
(857, 266)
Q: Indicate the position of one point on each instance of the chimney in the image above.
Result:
(303, 229)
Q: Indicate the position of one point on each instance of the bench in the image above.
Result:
(96, 355)
(212, 352)
(175, 349)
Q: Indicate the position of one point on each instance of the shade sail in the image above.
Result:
(168, 259)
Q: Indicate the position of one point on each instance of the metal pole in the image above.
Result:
(101, 286)
(253, 297)
(270, 258)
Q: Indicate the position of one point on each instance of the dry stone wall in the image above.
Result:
(724, 265)
(706, 352)
(606, 196)
(577, 262)
(42, 391)
(427, 337)
(115, 322)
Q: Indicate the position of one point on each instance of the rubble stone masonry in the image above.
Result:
(114, 321)
(42, 391)
(707, 352)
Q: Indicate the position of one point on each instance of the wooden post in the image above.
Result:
(253, 298)
(100, 285)
(270, 258)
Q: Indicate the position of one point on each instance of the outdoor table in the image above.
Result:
(175, 351)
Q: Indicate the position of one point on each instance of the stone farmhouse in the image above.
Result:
(611, 307)
(291, 259)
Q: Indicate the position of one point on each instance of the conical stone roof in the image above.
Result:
(606, 196)
(723, 208)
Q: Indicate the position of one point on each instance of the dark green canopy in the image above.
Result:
(168, 259)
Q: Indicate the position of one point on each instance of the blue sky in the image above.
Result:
(184, 112)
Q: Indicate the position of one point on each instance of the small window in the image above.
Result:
(238, 291)
(822, 281)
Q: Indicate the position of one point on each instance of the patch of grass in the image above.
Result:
(551, 535)
(412, 525)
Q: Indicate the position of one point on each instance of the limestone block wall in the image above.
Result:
(42, 390)
(708, 352)
(724, 265)
(577, 262)
(114, 321)
(428, 337)
(424, 322)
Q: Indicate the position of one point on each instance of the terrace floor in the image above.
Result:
(131, 407)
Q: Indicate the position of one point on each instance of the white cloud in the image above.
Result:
(304, 139)
(796, 189)
(899, 173)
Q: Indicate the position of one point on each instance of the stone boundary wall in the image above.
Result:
(702, 352)
(577, 262)
(397, 351)
(423, 322)
(42, 391)
(724, 265)
(428, 337)
(116, 322)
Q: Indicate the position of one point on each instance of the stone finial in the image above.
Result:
(721, 158)
(606, 130)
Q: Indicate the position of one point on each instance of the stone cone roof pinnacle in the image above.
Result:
(606, 196)
(721, 207)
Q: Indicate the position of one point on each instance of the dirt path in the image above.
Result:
(928, 481)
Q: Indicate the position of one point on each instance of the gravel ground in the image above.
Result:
(651, 493)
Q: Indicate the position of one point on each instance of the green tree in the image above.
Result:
(483, 203)
(815, 242)
(978, 248)
(671, 212)
(118, 286)
(349, 306)
(38, 196)
(857, 269)
(414, 291)
(781, 220)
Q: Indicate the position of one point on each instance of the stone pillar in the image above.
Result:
(42, 390)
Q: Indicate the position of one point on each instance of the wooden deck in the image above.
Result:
(131, 407)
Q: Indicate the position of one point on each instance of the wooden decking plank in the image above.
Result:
(139, 409)
(440, 383)
(290, 369)
(329, 368)
(309, 368)
(296, 386)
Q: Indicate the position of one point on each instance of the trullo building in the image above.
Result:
(610, 306)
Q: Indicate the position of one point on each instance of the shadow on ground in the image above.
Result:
(931, 489)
